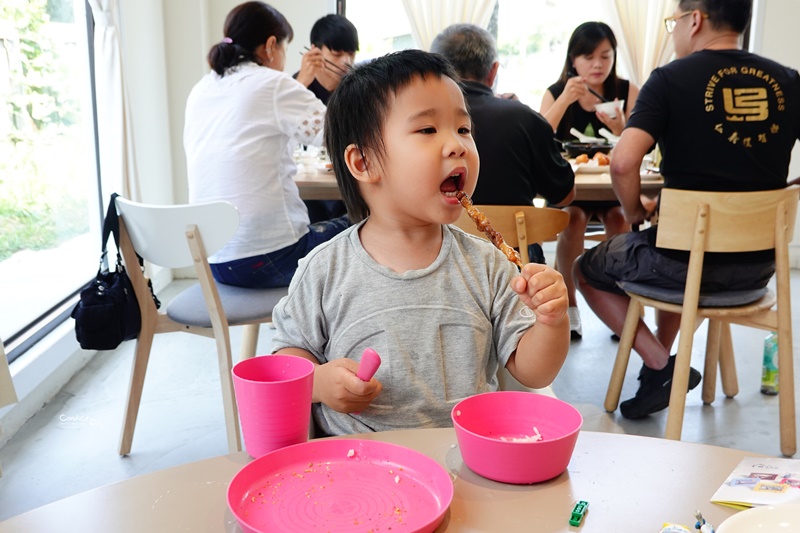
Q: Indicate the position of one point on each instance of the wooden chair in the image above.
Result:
(520, 225)
(699, 221)
(175, 237)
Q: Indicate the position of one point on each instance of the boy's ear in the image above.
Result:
(357, 164)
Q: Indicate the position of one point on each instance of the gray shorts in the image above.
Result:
(630, 257)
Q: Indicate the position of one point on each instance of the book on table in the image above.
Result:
(760, 481)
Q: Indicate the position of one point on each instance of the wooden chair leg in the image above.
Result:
(786, 403)
(141, 357)
(249, 341)
(680, 377)
(623, 355)
(228, 396)
(712, 360)
(727, 362)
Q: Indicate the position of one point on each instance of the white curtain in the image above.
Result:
(115, 129)
(642, 42)
(429, 17)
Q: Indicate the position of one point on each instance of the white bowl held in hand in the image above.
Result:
(610, 108)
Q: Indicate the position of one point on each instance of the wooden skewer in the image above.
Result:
(485, 226)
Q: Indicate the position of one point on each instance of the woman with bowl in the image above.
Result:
(589, 78)
(243, 120)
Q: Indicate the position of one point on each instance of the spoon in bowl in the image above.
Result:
(585, 138)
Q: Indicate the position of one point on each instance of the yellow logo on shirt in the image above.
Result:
(746, 105)
(743, 105)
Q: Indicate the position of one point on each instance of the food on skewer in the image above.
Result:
(485, 226)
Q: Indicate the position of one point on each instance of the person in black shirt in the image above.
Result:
(519, 157)
(334, 43)
(725, 120)
(590, 65)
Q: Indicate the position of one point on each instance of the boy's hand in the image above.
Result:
(543, 290)
(337, 386)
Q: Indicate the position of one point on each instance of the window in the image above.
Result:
(49, 207)
(531, 36)
(383, 27)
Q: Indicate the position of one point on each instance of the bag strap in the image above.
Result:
(111, 227)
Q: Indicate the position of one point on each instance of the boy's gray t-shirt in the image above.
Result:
(441, 332)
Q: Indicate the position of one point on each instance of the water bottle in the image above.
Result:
(769, 369)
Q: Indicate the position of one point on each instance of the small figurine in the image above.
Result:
(701, 524)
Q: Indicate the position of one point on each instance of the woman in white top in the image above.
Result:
(243, 120)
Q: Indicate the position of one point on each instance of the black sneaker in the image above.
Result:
(654, 389)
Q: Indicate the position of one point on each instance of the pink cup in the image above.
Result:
(273, 394)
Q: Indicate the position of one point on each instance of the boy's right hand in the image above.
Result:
(337, 386)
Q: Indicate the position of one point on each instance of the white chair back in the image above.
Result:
(158, 232)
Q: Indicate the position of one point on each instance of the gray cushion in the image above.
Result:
(241, 305)
(707, 299)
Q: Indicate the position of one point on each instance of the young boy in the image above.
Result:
(442, 308)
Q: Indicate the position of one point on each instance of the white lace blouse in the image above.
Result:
(239, 134)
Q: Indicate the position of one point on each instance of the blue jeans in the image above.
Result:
(275, 269)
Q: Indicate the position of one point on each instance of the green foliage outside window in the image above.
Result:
(41, 204)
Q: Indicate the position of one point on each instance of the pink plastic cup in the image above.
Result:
(273, 394)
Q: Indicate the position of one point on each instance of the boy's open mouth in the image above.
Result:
(453, 183)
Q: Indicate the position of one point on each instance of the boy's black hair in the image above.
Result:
(335, 32)
(723, 14)
(358, 109)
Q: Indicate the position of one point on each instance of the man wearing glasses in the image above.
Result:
(724, 120)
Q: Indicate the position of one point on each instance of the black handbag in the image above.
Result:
(108, 312)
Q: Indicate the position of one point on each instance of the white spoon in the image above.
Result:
(608, 135)
(584, 138)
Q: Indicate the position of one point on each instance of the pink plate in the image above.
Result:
(341, 485)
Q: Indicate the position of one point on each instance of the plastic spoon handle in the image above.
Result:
(608, 135)
(584, 138)
(370, 361)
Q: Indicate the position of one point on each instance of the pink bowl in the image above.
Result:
(496, 432)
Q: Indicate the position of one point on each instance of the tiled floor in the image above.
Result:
(70, 445)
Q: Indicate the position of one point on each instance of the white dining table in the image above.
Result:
(633, 484)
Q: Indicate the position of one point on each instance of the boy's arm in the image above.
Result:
(542, 349)
(336, 384)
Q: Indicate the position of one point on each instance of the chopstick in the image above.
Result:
(597, 94)
(339, 69)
